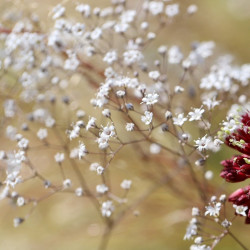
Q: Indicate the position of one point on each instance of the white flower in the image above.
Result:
(154, 75)
(79, 191)
(84, 9)
(179, 120)
(67, 183)
(174, 55)
(240, 209)
(120, 93)
(191, 229)
(211, 103)
(132, 56)
(196, 114)
(195, 211)
(42, 133)
(147, 117)
(107, 208)
(202, 143)
(130, 126)
(213, 210)
(225, 223)
(150, 98)
(155, 8)
(91, 123)
(58, 11)
(192, 9)
(110, 57)
(101, 189)
(126, 184)
(23, 143)
(59, 157)
(78, 29)
(82, 151)
(93, 167)
(154, 148)
(99, 170)
(20, 201)
(172, 10)
(96, 33)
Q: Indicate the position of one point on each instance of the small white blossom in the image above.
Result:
(91, 123)
(213, 210)
(154, 148)
(196, 114)
(101, 189)
(195, 211)
(110, 57)
(202, 143)
(79, 191)
(179, 120)
(130, 126)
(59, 157)
(20, 201)
(172, 10)
(23, 143)
(150, 99)
(126, 184)
(240, 209)
(42, 133)
(99, 170)
(147, 117)
(82, 151)
(154, 75)
(67, 183)
(107, 208)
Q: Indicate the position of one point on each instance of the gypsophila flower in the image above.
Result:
(79, 191)
(202, 143)
(192, 9)
(23, 143)
(59, 157)
(82, 151)
(20, 201)
(101, 189)
(67, 183)
(196, 114)
(195, 211)
(155, 8)
(150, 99)
(241, 210)
(130, 126)
(154, 148)
(174, 55)
(179, 120)
(107, 208)
(154, 75)
(147, 117)
(42, 133)
(213, 210)
(110, 57)
(225, 223)
(99, 170)
(172, 10)
(91, 123)
(126, 184)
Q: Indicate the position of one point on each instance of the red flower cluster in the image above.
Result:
(238, 167)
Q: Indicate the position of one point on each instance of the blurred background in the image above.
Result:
(69, 223)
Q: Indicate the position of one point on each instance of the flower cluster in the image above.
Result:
(87, 98)
(237, 169)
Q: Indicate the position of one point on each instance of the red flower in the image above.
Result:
(242, 197)
(236, 169)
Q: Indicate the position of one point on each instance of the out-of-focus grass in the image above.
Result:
(65, 222)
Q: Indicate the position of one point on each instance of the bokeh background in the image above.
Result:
(64, 222)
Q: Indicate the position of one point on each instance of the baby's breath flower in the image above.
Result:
(240, 209)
